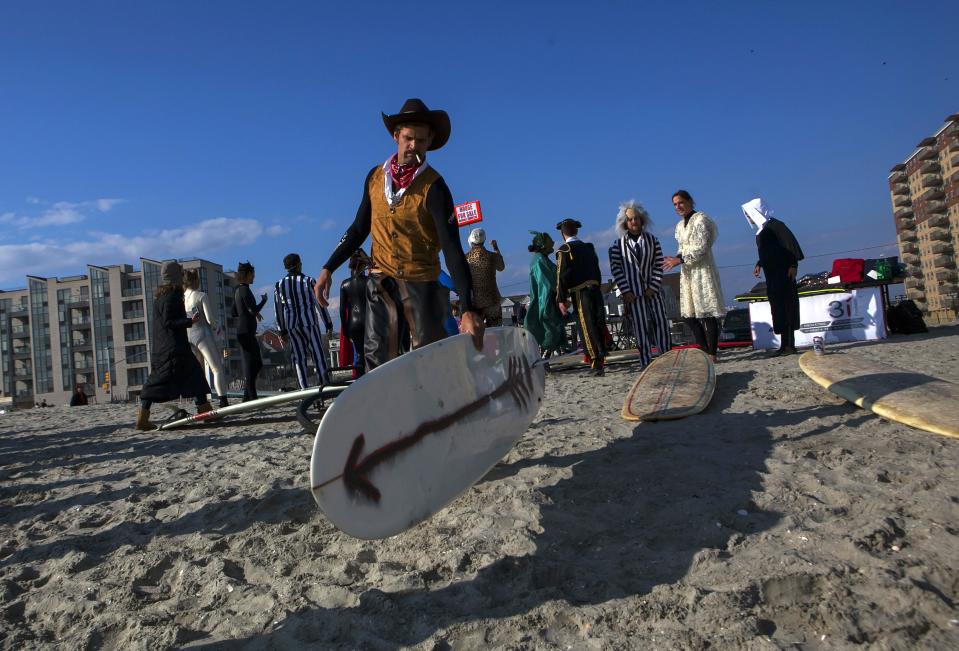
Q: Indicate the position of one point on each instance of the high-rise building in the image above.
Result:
(925, 205)
(94, 330)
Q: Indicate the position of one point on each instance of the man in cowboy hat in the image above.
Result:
(408, 209)
(578, 275)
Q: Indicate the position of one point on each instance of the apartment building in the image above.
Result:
(925, 202)
(94, 330)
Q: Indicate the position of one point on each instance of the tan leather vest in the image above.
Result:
(405, 242)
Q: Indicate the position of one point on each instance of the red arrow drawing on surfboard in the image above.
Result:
(356, 472)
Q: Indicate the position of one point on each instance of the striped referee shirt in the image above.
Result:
(296, 306)
(637, 264)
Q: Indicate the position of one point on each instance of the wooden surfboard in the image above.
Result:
(405, 440)
(575, 360)
(914, 399)
(677, 384)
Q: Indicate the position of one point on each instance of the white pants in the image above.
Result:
(210, 352)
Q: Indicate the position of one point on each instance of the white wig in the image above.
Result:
(621, 216)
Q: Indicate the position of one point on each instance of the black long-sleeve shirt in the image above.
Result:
(439, 203)
(246, 309)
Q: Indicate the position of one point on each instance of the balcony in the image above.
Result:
(930, 181)
(931, 167)
(940, 248)
(22, 352)
(927, 153)
(136, 314)
(932, 194)
(903, 212)
(23, 373)
(907, 235)
(83, 367)
(900, 188)
(80, 324)
(914, 271)
(131, 292)
(909, 247)
(944, 262)
(914, 283)
(938, 209)
(940, 234)
(902, 201)
(910, 258)
(955, 161)
(948, 289)
(81, 344)
(945, 275)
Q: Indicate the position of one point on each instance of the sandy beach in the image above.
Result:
(780, 518)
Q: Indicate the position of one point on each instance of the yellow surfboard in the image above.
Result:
(675, 385)
(914, 399)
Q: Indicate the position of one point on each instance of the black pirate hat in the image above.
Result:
(572, 222)
(415, 111)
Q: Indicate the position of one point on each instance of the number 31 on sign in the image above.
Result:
(468, 213)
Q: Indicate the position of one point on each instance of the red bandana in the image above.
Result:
(402, 174)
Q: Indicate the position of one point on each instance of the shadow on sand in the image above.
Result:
(632, 515)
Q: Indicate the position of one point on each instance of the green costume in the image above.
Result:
(543, 318)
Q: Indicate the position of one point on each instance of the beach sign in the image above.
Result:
(468, 213)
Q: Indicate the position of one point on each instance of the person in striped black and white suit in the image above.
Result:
(298, 318)
(636, 262)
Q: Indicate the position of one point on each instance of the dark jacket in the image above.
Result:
(174, 370)
(246, 309)
(576, 266)
(778, 248)
(353, 306)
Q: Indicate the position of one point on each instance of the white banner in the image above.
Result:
(856, 315)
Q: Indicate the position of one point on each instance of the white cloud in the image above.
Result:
(601, 239)
(60, 213)
(48, 257)
(106, 205)
(327, 224)
(276, 230)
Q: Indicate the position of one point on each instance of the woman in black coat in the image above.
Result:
(175, 372)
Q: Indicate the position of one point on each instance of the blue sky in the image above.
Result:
(234, 131)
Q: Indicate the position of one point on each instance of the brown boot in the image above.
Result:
(143, 420)
(205, 407)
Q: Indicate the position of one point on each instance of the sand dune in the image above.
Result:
(781, 516)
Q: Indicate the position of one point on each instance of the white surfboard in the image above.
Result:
(255, 405)
(405, 440)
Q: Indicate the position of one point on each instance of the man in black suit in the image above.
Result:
(578, 276)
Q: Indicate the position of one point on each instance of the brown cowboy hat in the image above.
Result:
(414, 110)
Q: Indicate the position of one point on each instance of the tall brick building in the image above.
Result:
(925, 204)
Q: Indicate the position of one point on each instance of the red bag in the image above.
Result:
(849, 270)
